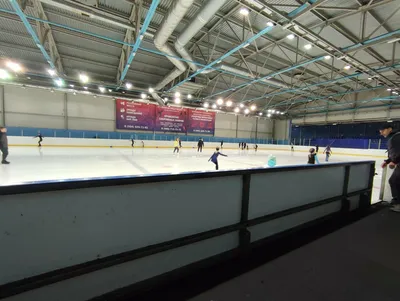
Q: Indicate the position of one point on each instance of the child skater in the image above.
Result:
(312, 157)
(39, 135)
(328, 153)
(176, 145)
(214, 158)
(256, 147)
(133, 142)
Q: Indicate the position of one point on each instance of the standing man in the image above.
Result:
(200, 145)
(222, 144)
(4, 145)
(393, 146)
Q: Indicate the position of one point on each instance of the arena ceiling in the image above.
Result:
(294, 57)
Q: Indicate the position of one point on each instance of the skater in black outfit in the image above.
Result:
(312, 157)
(256, 147)
(39, 135)
(180, 143)
(214, 158)
(222, 144)
(393, 162)
(4, 145)
(200, 145)
(316, 148)
(133, 142)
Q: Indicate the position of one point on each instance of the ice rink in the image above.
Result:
(30, 164)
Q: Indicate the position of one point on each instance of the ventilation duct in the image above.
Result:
(168, 25)
(203, 17)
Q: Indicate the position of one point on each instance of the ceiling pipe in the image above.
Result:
(167, 27)
(241, 71)
(196, 24)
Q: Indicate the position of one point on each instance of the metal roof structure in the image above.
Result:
(293, 56)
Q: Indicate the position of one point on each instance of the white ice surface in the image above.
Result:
(41, 164)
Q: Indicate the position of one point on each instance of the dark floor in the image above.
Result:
(360, 262)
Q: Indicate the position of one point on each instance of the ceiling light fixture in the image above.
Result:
(4, 74)
(291, 36)
(83, 78)
(177, 100)
(229, 103)
(246, 111)
(143, 95)
(220, 101)
(260, 113)
(14, 66)
(189, 96)
(206, 105)
(214, 106)
(237, 110)
(308, 46)
(59, 82)
(177, 94)
(165, 99)
(52, 72)
(253, 107)
(269, 115)
(347, 67)
(327, 57)
(128, 86)
(388, 89)
(102, 89)
(241, 105)
(151, 90)
(85, 88)
(244, 11)
(270, 24)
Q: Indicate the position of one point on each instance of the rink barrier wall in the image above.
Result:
(78, 239)
(15, 141)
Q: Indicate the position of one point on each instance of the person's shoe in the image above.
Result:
(5, 162)
(395, 208)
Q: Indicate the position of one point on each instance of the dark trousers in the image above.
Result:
(200, 149)
(394, 183)
(40, 142)
(176, 149)
(4, 150)
(216, 165)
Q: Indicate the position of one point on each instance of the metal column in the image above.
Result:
(66, 111)
(2, 107)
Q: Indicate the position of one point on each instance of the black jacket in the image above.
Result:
(3, 140)
(393, 146)
(200, 143)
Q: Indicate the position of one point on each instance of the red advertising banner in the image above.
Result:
(171, 119)
(201, 122)
(135, 115)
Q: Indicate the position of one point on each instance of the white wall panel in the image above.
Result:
(89, 107)
(265, 128)
(247, 124)
(33, 101)
(90, 124)
(281, 129)
(225, 125)
(38, 121)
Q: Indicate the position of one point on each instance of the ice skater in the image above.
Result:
(4, 145)
(180, 142)
(222, 144)
(200, 145)
(312, 157)
(328, 153)
(176, 145)
(214, 158)
(256, 147)
(133, 142)
(142, 144)
(317, 148)
(39, 135)
(292, 146)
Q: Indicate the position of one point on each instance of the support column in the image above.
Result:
(2, 107)
(237, 125)
(65, 111)
(115, 114)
